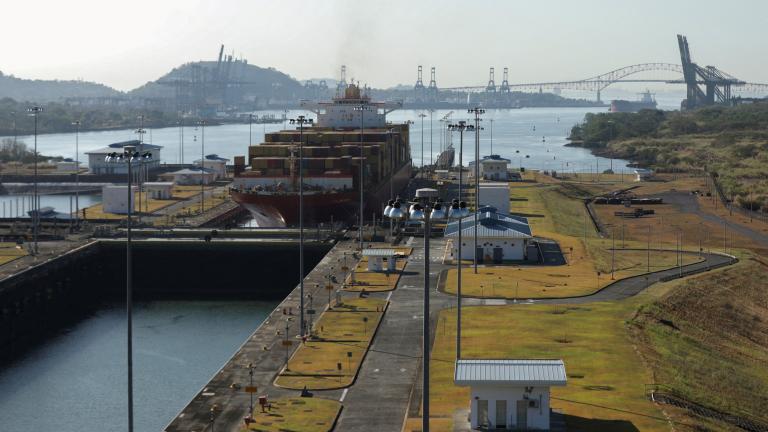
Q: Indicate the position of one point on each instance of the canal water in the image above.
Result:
(76, 380)
(531, 137)
(17, 205)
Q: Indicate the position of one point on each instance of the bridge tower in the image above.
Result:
(432, 90)
(491, 87)
(418, 89)
(505, 81)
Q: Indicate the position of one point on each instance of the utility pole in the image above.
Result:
(77, 172)
(35, 112)
(301, 121)
(477, 112)
(202, 166)
(362, 108)
(421, 173)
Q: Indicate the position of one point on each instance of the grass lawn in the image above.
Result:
(296, 414)
(342, 336)
(372, 281)
(606, 377)
(9, 252)
(579, 278)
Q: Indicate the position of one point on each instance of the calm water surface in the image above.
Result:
(17, 205)
(513, 131)
(76, 381)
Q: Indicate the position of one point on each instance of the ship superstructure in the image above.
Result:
(268, 184)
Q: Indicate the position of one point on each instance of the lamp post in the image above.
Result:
(76, 123)
(431, 167)
(301, 121)
(250, 129)
(459, 211)
(35, 112)
(202, 166)
(362, 108)
(491, 120)
(477, 112)
(425, 213)
(129, 157)
(421, 171)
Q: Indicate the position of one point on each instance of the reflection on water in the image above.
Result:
(17, 205)
(76, 381)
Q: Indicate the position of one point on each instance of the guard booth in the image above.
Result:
(510, 394)
(381, 259)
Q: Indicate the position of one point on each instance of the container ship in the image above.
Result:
(268, 184)
(646, 102)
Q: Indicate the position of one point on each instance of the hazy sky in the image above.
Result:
(127, 43)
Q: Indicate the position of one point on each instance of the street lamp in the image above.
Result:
(76, 123)
(129, 157)
(250, 129)
(202, 166)
(362, 108)
(35, 112)
(425, 213)
(477, 112)
(301, 121)
(459, 211)
(422, 115)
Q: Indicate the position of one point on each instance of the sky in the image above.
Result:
(125, 44)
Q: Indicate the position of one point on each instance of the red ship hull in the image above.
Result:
(279, 210)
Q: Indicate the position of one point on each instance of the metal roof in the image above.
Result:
(492, 224)
(379, 252)
(517, 372)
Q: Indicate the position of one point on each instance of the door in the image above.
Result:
(482, 413)
(498, 255)
(501, 414)
(522, 415)
(479, 254)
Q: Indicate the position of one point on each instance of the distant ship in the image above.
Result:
(268, 185)
(646, 101)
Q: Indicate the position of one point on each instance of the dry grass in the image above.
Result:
(342, 336)
(10, 252)
(296, 414)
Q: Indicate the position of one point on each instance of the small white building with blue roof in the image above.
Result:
(500, 237)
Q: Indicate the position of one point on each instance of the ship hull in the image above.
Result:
(280, 210)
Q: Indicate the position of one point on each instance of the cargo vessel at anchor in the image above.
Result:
(267, 182)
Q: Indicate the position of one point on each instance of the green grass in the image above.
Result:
(296, 414)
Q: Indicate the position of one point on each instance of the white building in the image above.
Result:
(114, 199)
(190, 176)
(159, 190)
(97, 164)
(510, 394)
(493, 167)
(495, 194)
(642, 174)
(500, 237)
(66, 166)
(218, 165)
(376, 258)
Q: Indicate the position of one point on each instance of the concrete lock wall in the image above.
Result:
(537, 417)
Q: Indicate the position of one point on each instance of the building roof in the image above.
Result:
(516, 372)
(213, 158)
(119, 145)
(383, 252)
(190, 171)
(491, 158)
(491, 224)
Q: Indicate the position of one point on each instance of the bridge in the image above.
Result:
(718, 86)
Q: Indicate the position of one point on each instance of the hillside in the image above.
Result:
(730, 142)
(43, 91)
(707, 340)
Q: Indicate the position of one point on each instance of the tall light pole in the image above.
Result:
(431, 167)
(362, 108)
(76, 123)
(202, 166)
(140, 132)
(129, 156)
(35, 112)
(491, 120)
(421, 171)
(477, 112)
(301, 121)
(250, 129)
(459, 211)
